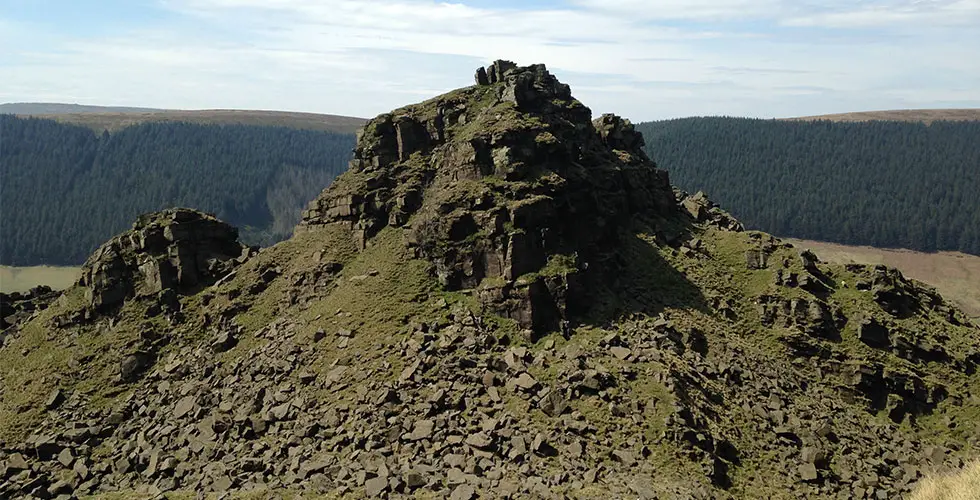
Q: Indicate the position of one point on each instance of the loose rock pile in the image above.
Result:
(17, 307)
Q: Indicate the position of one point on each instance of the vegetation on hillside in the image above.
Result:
(955, 275)
(67, 189)
(884, 184)
(961, 485)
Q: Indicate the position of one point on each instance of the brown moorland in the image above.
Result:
(22, 279)
(113, 121)
(905, 115)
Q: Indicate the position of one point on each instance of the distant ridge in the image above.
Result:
(57, 108)
(903, 115)
(112, 118)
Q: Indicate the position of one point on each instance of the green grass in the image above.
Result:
(83, 358)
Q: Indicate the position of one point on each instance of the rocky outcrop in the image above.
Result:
(701, 209)
(507, 186)
(178, 249)
(17, 307)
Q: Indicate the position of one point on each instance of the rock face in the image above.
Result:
(18, 307)
(514, 196)
(701, 209)
(178, 249)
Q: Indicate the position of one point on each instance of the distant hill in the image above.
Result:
(901, 115)
(887, 184)
(57, 108)
(67, 188)
(101, 118)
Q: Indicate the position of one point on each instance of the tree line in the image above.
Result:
(881, 183)
(65, 189)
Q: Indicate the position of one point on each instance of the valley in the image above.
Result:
(298, 249)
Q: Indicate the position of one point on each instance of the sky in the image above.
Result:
(644, 60)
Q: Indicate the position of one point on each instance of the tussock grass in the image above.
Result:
(958, 485)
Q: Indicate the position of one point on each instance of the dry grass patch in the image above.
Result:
(959, 485)
(115, 121)
(903, 115)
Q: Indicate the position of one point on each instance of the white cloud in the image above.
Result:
(919, 14)
(717, 10)
(363, 57)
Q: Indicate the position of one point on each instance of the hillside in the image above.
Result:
(926, 116)
(113, 119)
(880, 184)
(501, 298)
(66, 188)
(955, 275)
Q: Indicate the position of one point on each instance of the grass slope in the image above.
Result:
(384, 288)
(956, 275)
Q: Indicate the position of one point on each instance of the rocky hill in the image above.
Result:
(502, 297)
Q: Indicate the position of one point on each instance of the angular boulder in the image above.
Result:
(176, 249)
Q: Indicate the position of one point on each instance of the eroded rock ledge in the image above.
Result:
(177, 249)
(508, 187)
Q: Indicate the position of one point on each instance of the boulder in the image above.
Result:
(873, 333)
(177, 249)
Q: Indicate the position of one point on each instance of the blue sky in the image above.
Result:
(641, 59)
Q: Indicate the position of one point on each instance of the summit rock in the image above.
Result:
(508, 184)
